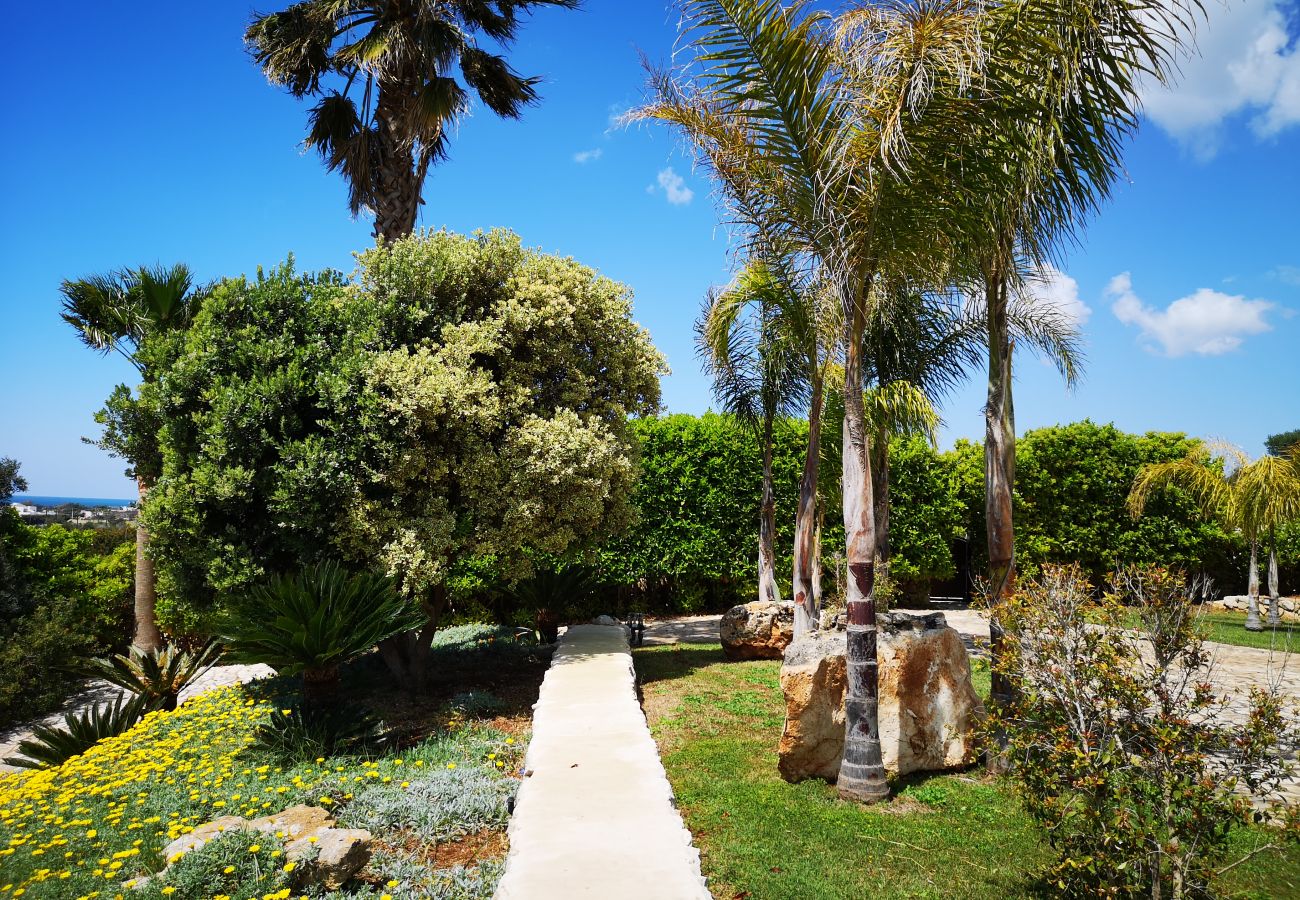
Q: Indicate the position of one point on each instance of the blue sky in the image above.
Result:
(153, 138)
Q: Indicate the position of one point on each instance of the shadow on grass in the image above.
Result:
(671, 661)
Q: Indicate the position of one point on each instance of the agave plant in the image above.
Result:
(158, 676)
(52, 746)
(313, 622)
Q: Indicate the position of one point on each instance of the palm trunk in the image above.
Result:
(768, 589)
(1274, 602)
(399, 177)
(407, 655)
(999, 475)
(862, 772)
(1252, 591)
(807, 599)
(147, 636)
(880, 496)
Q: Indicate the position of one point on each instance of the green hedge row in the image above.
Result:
(695, 545)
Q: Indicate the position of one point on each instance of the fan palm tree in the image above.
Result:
(748, 345)
(383, 73)
(116, 313)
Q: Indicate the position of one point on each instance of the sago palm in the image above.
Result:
(116, 313)
(384, 75)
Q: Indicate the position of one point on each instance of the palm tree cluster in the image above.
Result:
(1255, 498)
(900, 171)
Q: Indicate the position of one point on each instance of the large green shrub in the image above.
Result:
(1072, 482)
(458, 397)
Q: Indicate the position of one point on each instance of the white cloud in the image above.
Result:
(674, 187)
(1247, 62)
(1207, 322)
(1054, 288)
(585, 156)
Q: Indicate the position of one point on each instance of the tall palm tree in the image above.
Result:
(804, 140)
(116, 313)
(749, 348)
(383, 73)
(1253, 497)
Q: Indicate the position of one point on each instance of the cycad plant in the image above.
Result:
(158, 676)
(549, 592)
(314, 621)
(52, 746)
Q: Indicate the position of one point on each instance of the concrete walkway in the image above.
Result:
(99, 692)
(595, 816)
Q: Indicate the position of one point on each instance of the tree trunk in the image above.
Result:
(1274, 603)
(399, 177)
(768, 589)
(880, 498)
(147, 636)
(999, 474)
(806, 598)
(407, 654)
(320, 688)
(1252, 591)
(862, 773)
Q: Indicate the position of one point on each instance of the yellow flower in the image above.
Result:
(451, 765)
(254, 848)
(290, 866)
(169, 890)
(393, 882)
(227, 870)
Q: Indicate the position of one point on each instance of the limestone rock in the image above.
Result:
(927, 704)
(335, 856)
(606, 620)
(758, 630)
(325, 855)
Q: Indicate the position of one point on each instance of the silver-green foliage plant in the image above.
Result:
(457, 397)
(441, 804)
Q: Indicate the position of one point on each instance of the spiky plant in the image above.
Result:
(52, 746)
(314, 621)
(158, 676)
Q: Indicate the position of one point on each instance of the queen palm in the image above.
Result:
(748, 343)
(1252, 497)
(116, 313)
(802, 149)
(384, 73)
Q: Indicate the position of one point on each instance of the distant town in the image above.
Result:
(75, 512)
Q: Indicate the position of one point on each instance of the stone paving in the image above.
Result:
(99, 692)
(595, 815)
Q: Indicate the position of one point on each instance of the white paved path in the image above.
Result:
(595, 818)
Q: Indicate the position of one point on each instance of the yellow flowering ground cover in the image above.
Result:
(88, 827)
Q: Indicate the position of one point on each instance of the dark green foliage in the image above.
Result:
(306, 731)
(314, 620)
(695, 545)
(10, 481)
(34, 653)
(158, 676)
(1072, 482)
(50, 746)
(1278, 444)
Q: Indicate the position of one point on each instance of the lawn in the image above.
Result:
(435, 800)
(960, 835)
(1230, 628)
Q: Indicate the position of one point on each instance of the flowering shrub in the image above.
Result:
(84, 828)
(1124, 748)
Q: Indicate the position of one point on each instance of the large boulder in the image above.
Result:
(928, 706)
(758, 630)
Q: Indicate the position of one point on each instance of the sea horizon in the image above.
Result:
(50, 501)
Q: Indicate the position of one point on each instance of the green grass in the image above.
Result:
(1230, 628)
(958, 835)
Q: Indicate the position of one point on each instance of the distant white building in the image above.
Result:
(26, 509)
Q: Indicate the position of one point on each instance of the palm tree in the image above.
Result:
(804, 140)
(395, 97)
(1269, 495)
(116, 313)
(1253, 497)
(746, 341)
